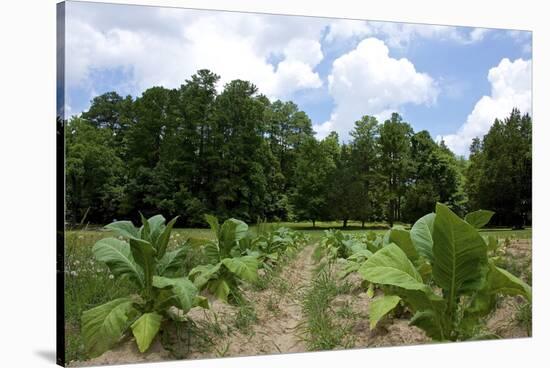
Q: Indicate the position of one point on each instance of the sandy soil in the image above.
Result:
(127, 352)
(279, 315)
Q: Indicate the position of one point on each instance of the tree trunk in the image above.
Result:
(345, 223)
(313, 223)
(362, 224)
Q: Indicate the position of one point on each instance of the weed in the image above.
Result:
(245, 317)
(524, 316)
(320, 330)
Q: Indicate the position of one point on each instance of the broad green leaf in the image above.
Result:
(246, 268)
(504, 283)
(145, 230)
(212, 252)
(421, 236)
(203, 273)
(424, 269)
(201, 301)
(479, 218)
(231, 232)
(145, 329)
(144, 255)
(361, 254)
(381, 306)
(460, 254)
(103, 326)
(214, 224)
(183, 291)
(431, 322)
(163, 237)
(156, 226)
(117, 256)
(124, 228)
(402, 239)
(171, 260)
(349, 267)
(430, 314)
(370, 291)
(390, 266)
(220, 289)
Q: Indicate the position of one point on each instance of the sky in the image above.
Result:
(451, 81)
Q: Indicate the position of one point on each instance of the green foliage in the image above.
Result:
(193, 150)
(421, 236)
(380, 307)
(226, 266)
(479, 218)
(142, 258)
(465, 281)
(500, 169)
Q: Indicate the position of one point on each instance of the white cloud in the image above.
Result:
(165, 47)
(400, 35)
(523, 38)
(342, 29)
(510, 87)
(367, 81)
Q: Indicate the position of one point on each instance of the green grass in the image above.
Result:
(322, 330)
(526, 233)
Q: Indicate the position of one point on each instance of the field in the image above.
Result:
(302, 303)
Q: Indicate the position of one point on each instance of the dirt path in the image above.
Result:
(278, 311)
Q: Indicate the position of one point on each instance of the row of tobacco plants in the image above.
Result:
(441, 270)
(162, 278)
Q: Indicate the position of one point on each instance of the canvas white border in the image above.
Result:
(27, 187)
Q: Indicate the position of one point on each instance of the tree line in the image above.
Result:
(191, 150)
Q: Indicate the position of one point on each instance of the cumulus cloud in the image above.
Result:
(342, 29)
(166, 46)
(510, 87)
(368, 81)
(400, 35)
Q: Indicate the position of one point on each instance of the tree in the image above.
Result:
(344, 188)
(314, 167)
(499, 174)
(365, 162)
(93, 173)
(240, 187)
(436, 178)
(112, 112)
(395, 161)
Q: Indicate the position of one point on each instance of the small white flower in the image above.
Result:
(77, 262)
(111, 277)
(73, 273)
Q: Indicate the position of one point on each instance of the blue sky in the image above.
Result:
(451, 81)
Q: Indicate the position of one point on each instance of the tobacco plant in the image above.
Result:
(461, 288)
(144, 258)
(226, 266)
